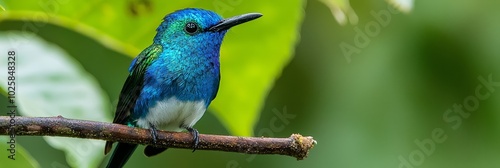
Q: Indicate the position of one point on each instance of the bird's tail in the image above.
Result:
(120, 156)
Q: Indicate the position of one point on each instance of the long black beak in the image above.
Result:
(233, 21)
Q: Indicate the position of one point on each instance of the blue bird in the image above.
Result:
(172, 82)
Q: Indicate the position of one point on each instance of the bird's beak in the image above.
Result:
(233, 21)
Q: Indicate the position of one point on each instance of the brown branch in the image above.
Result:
(296, 145)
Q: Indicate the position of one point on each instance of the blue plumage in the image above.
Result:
(172, 82)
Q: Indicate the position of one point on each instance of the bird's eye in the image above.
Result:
(191, 28)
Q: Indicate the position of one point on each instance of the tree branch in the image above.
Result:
(296, 145)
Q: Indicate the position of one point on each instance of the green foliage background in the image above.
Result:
(364, 113)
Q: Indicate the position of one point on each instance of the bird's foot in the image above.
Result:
(154, 133)
(195, 133)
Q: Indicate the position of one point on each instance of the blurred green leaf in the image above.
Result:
(2, 5)
(50, 83)
(22, 157)
(252, 55)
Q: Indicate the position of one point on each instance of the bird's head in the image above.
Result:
(194, 28)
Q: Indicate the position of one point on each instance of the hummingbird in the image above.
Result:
(172, 82)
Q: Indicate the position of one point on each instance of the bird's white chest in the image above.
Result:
(172, 114)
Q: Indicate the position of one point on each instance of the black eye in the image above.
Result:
(191, 28)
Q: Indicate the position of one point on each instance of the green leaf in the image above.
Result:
(21, 156)
(50, 83)
(252, 55)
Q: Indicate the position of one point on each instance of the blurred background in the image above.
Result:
(415, 89)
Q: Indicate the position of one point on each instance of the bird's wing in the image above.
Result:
(133, 85)
(216, 86)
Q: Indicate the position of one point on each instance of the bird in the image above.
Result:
(172, 82)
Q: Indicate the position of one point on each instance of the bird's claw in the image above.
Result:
(154, 133)
(195, 133)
